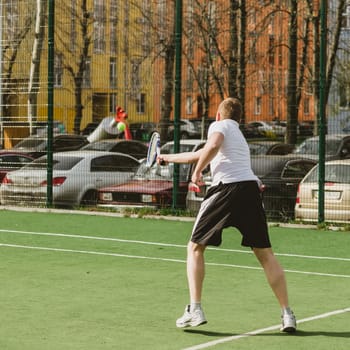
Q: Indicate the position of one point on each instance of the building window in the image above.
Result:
(189, 105)
(271, 49)
(271, 106)
(58, 70)
(73, 25)
(306, 106)
(257, 105)
(189, 80)
(112, 103)
(112, 73)
(113, 19)
(99, 26)
(346, 17)
(11, 17)
(87, 74)
(135, 76)
(141, 103)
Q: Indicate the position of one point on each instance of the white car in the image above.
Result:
(336, 193)
(188, 130)
(264, 128)
(77, 175)
(279, 127)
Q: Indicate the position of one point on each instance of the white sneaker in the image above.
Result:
(191, 319)
(289, 323)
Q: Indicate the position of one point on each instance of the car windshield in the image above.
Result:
(169, 148)
(30, 143)
(337, 173)
(58, 163)
(311, 146)
(98, 146)
(256, 148)
(164, 172)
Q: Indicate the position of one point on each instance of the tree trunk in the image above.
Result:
(34, 75)
(292, 108)
(167, 95)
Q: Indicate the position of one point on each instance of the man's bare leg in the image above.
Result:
(276, 278)
(195, 270)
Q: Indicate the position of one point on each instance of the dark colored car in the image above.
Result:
(10, 161)
(133, 148)
(337, 146)
(269, 148)
(143, 131)
(89, 128)
(280, 176)
(306, 128)
(148, 188)
(188, 130)
(36, 145)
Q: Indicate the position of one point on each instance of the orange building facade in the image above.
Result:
(205, 59)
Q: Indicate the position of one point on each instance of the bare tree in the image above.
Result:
(34, 75)
(292, 107)
(13, 36)
(73, 46)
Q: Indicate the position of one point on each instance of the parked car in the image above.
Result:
(89, 128)
(40, 128)
(269, 148)
(10, 161)
(337, 146)
(306, 128)
(279, 127)
(336, 193)
(249, 131)
(280, 176)
(188, 130)
(77, 175)
(263, 128)
(36, 145)
(133, 148)
(151, 187)
(143, 131)
(199, 124)
(185, 146)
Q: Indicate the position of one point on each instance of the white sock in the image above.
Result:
(195, 306)
(286, 310)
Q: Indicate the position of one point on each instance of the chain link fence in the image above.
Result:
(122, 54)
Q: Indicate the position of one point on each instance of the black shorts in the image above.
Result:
(234, 204)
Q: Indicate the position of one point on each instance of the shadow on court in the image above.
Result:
(298, 333)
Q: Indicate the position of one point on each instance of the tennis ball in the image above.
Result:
(121, 126)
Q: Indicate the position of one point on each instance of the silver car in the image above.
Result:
(77, 175)
(336, 193)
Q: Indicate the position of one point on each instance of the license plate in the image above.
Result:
(328, 195)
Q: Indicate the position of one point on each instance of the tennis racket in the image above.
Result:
(153, 149)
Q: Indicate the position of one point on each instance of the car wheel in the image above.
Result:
(89, 199)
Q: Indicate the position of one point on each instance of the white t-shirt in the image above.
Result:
(232, 162)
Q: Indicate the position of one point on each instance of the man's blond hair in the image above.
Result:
(231, 108)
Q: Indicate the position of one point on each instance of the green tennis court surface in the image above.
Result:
(74, 281)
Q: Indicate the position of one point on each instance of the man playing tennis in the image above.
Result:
(234, 199)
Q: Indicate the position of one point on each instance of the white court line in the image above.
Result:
(263, 330)
(161, 259)
(164, 244)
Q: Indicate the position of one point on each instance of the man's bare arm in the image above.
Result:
(184, 157)
(209, 151)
